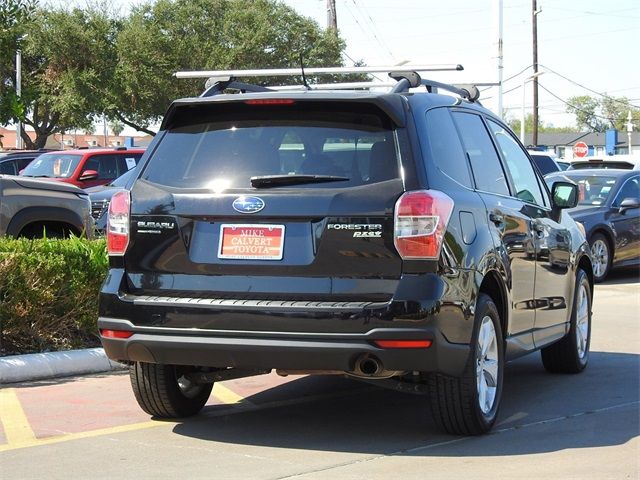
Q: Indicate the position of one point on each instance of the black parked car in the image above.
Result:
(545, 162)
(100, 197)
(12, 163)
(609, 209)
(403, 238)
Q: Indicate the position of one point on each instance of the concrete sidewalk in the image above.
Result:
(38, 366)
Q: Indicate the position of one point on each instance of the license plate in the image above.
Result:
(251, 242)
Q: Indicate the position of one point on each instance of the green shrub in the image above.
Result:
(49, 293)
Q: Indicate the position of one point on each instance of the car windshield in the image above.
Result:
(312, 148)
(53, 165)
(594, 190)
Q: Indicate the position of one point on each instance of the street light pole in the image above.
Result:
(19, 94)
(524, 82)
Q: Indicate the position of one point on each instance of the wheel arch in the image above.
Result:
(493, 285)
(584, 263)
(44, 215)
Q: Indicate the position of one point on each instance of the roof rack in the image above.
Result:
(405, 77)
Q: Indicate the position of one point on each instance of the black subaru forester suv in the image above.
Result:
(399, 237)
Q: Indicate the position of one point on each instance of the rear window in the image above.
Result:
(221, 147)
(544, 163)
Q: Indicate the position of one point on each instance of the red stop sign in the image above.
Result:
(580, 149)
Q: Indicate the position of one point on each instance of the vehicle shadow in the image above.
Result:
(622, 276)
(599, 407)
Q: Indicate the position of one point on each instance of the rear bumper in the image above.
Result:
(268, 350)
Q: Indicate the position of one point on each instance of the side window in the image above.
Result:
(22, 163)
(105, 165)
(8, 168)
(485, 163)
(127, 162)
(445, 149)
(519, 166)
(631, 189)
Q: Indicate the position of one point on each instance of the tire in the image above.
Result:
(163, 391)
(602, 256)
(468, 405)
(571, 354)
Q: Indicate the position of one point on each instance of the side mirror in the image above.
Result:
(88, 175)
(565, 195)
(629, 203)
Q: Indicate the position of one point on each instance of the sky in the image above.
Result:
(590, 42)
(593, 44)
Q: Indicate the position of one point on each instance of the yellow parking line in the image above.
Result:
(228, 396)
(34, 442)
(221, 392)
(16, 427)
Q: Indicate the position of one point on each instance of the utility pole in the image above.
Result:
(630, 126)
(534, 23)
(332, 19)
(498, 7)
(19, 94)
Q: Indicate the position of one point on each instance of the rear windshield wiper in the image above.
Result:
(266, 181)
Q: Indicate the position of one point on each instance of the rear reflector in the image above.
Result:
(421, 219)
(270, 101)
(118, 223)
(115, 333)
(403, 343)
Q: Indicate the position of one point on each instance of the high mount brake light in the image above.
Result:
(118, 223)
(420, 222)
(270, 101)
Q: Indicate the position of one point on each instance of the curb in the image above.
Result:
(39, 366)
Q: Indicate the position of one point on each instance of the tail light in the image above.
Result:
(421, 219)
(118, 223)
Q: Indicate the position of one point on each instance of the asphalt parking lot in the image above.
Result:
(269, 427)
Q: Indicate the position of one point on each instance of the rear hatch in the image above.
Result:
(287, 200)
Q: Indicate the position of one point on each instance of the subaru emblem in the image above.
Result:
(248, 204)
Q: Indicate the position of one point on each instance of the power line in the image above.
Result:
(589, 89)
(373, 28)
(571, 105)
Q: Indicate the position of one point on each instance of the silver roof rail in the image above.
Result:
(286, 72)
(404, 77)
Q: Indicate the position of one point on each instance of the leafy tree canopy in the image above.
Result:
(15, 17)
(514, 124)
(67, 59)
(83, 63)
(601, 114)
(161, 38)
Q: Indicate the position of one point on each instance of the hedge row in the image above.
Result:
(49, 293)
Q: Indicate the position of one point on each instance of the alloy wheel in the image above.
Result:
(582, 320)
(487, 365)
(600, 255)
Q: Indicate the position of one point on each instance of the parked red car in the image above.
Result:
(84, 168)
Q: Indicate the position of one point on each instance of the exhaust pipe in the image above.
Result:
(368, 366)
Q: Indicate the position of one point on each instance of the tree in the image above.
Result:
(160, 38)
(116, 127)
(514, 124)
(68, 58)
(15, 18)
(598, 115)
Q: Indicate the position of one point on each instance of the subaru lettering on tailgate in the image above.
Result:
(248, 204)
